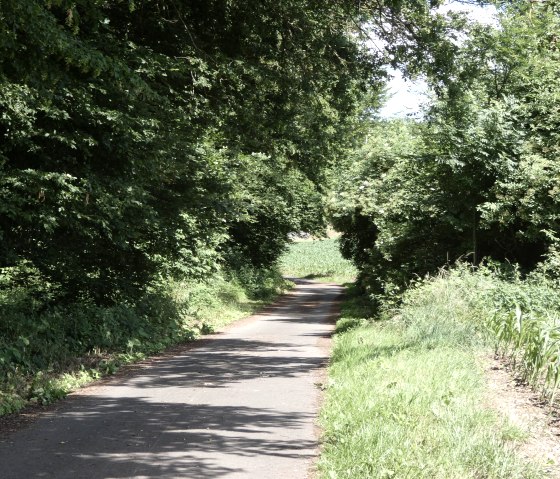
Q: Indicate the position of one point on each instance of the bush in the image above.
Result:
(40, 341)
(519, 315)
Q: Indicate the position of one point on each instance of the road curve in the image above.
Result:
(241, 404)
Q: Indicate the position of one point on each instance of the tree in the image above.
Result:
(152, 137)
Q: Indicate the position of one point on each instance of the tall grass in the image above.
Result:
(521, 317)
(319, 260)
(404, 395)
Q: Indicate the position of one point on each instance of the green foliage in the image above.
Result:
(477, 177)
(403, 396)
(519, 316)
(147, 148)
(524, 327)
(383, 202)
(273, 201)
(152, 138)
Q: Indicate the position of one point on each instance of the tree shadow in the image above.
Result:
(324, 274)
(160, 422)
(224, 361)
(136, 437)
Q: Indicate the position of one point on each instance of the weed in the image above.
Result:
(403, 396)
(521, 318)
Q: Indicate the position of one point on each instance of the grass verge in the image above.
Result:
(319, 260)
(404, 396)
(49, 356)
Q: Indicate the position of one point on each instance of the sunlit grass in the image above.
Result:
(319, 260)
(403, 399)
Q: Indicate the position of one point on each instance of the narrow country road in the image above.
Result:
(241, 404)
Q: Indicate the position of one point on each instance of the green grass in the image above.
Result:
(520, 317)
(319, 260)
(404, 396)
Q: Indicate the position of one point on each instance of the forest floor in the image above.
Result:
(239, 404)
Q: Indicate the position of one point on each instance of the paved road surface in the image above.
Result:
(241, 404)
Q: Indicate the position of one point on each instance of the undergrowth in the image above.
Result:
(404, 398)
(46, 352)
(519, 316)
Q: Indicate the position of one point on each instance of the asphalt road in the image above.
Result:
(241, 404)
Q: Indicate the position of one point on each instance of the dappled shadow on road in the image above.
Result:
(312, 298)
(161, 422)
(225, 361)
(134, 437)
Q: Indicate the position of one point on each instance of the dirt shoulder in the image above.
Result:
(524, 408)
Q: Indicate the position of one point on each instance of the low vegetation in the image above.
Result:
(405, 394)
(519, 317)
(44, 354)
(318, 260)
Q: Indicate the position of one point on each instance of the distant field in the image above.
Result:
(319, 260)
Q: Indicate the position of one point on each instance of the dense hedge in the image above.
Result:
(142, 138)
(475, 177)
